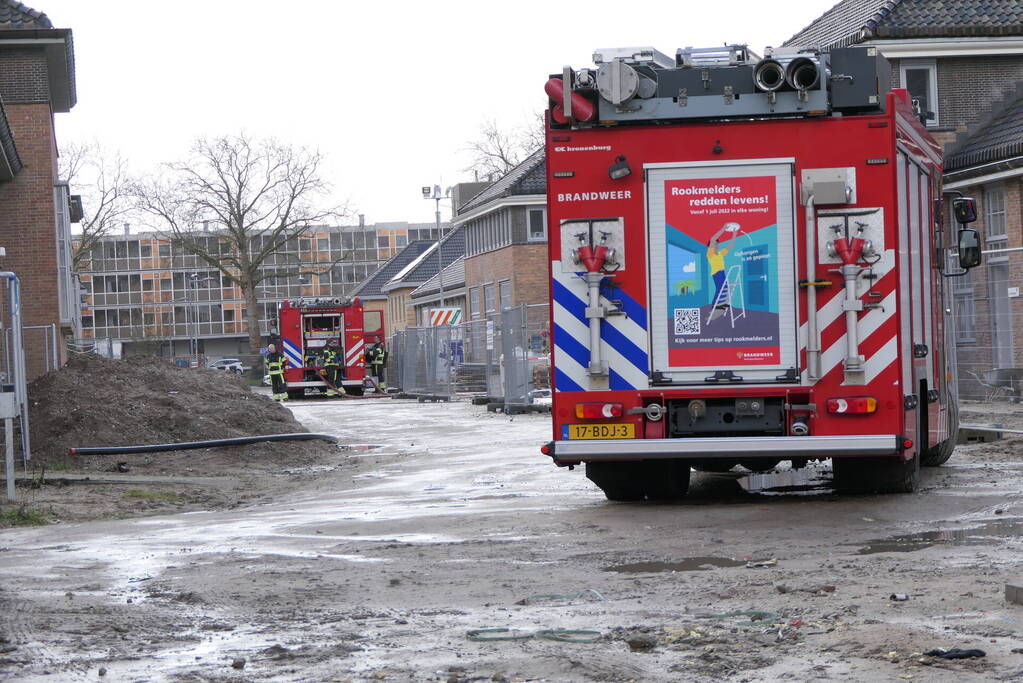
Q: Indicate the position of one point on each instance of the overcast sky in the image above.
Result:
(391, 92)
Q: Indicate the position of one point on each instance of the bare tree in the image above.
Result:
(256, 194)
(101, 178)
(497, 151)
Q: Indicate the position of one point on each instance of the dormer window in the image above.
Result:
(920, 78)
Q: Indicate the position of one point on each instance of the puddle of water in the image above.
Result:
(689, 564)
(987, 533)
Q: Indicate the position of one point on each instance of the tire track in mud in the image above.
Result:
(20, 624)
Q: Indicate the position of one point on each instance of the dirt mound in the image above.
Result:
(96, 401)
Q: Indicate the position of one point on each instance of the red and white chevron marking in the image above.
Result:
(877, 327)
(354, 354)
(445, 316)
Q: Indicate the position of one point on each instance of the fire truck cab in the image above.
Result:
(748, 265)
(307, 325)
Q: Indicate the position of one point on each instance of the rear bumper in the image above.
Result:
(725, 448)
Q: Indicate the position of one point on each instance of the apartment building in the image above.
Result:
(147, 295)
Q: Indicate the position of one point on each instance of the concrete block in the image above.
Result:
(1014, 593)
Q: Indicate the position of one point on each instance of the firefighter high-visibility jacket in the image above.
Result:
(275, 363)
(377, 356)
(331, 357)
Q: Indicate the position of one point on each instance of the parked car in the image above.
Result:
(229, 364)
(540, 397)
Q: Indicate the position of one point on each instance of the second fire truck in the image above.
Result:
(748, 265)
(307, 325)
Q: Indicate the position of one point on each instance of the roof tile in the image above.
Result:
(852, 21)
(529, 177)
(15, 15)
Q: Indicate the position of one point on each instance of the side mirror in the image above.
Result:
(964, 209)
(969, 249)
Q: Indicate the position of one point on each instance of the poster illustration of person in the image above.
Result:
(722, 267)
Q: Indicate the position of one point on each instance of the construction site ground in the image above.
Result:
(437, 544)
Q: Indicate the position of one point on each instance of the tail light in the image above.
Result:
(852, 405)
(598, 411)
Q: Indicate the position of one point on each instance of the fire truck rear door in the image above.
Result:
(722, 270)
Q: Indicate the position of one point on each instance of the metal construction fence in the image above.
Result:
(986, 317)
(41, 348)
(507, 357)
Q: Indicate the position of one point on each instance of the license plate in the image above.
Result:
(615, 431)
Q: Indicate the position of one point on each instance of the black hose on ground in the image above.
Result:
(185, 445)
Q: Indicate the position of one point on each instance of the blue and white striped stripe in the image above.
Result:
(623, 338)
(292, 353)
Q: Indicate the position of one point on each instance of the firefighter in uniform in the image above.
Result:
(377, 358)
(275, 368)
(332, 367)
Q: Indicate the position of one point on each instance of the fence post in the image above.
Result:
(53, 347)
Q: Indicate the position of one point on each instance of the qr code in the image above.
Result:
(687, 321)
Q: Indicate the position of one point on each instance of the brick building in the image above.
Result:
(37, 81)
(962, 60)
(506, 241)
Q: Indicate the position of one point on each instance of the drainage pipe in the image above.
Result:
(186, 445)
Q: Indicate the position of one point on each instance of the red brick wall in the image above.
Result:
(28, 224)
(524, 265)
(24, 77)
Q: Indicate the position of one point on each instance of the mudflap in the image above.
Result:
(889, 474)
(657, 480)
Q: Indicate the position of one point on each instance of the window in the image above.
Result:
(965, 303)
(147, 285)
(383, 241)
(537, 225)
(400, 240)
(506, 301)
(998, 304)
(474, 302)
(147, 250)
(165, 250)
(488, 298)
(920, 78)
(323, 244)
(994, 213)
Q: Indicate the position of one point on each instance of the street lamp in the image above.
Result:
(193, 283)
(434, 193)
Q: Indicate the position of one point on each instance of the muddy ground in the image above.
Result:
(138, 401)
(438, 522)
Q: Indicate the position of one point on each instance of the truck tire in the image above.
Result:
(620, 481)
(876, 475)
(940, 454)
(666, 480)
(353, 391)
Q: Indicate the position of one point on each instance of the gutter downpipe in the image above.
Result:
(813, 351)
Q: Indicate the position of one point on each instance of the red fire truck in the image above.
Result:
(748, 266)
(306, 325)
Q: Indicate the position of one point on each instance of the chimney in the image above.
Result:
(362, 220)
(127, 228)
(205, 226)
